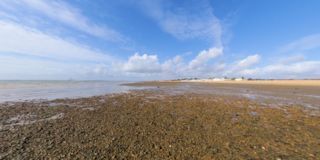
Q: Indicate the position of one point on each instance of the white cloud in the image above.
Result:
(27, 53)
(293, 65)
(32, 53)
(89, 63)
(101, 69)
(303, 44)
(61, 12)
(149, 64)
(292, 59)
(174, 65)
(303, 69)
(295, 68)
(192, 20)
(195, 20)
(23, 40)
(248, 61)
(142, 64)
(242, 67)
(204, 56)
(22, 67)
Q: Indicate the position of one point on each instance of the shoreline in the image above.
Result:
(311, 86)
(254, 82)
(171, 121)
(281, 83)
(24, 90)
(306, 95)
(150, 124)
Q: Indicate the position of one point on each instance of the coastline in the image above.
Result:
(152, 124)
(50, 90)
(254, 82)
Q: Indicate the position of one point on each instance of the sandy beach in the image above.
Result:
(159, 124)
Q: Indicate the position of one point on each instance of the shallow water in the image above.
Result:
(31, 90)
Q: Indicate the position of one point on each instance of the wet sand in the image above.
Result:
(306, 93)
(260, 82)
(172, 121)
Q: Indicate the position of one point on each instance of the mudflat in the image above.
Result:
(273, 92)
(292, 83)
(260, 82)
(167, 122)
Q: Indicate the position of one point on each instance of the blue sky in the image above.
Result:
(159, 39)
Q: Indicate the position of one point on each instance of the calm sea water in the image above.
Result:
(30, 90)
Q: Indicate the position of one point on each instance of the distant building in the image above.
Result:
(218, 79)
(239, 79)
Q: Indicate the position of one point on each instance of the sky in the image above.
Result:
(158, 39)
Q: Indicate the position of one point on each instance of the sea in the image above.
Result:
(21, 90)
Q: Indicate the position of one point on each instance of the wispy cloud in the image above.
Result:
(240, 67)
(191, 20)
(303, 69)
(22, 67)
(204, 56)
(26, 44)
(292, 59)
(27, 53)
(196, 20)
(31, 48)
(295, 64)
(248, 61)
(59, 11)
(174, 65)
(23, 40)
(303, 44)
